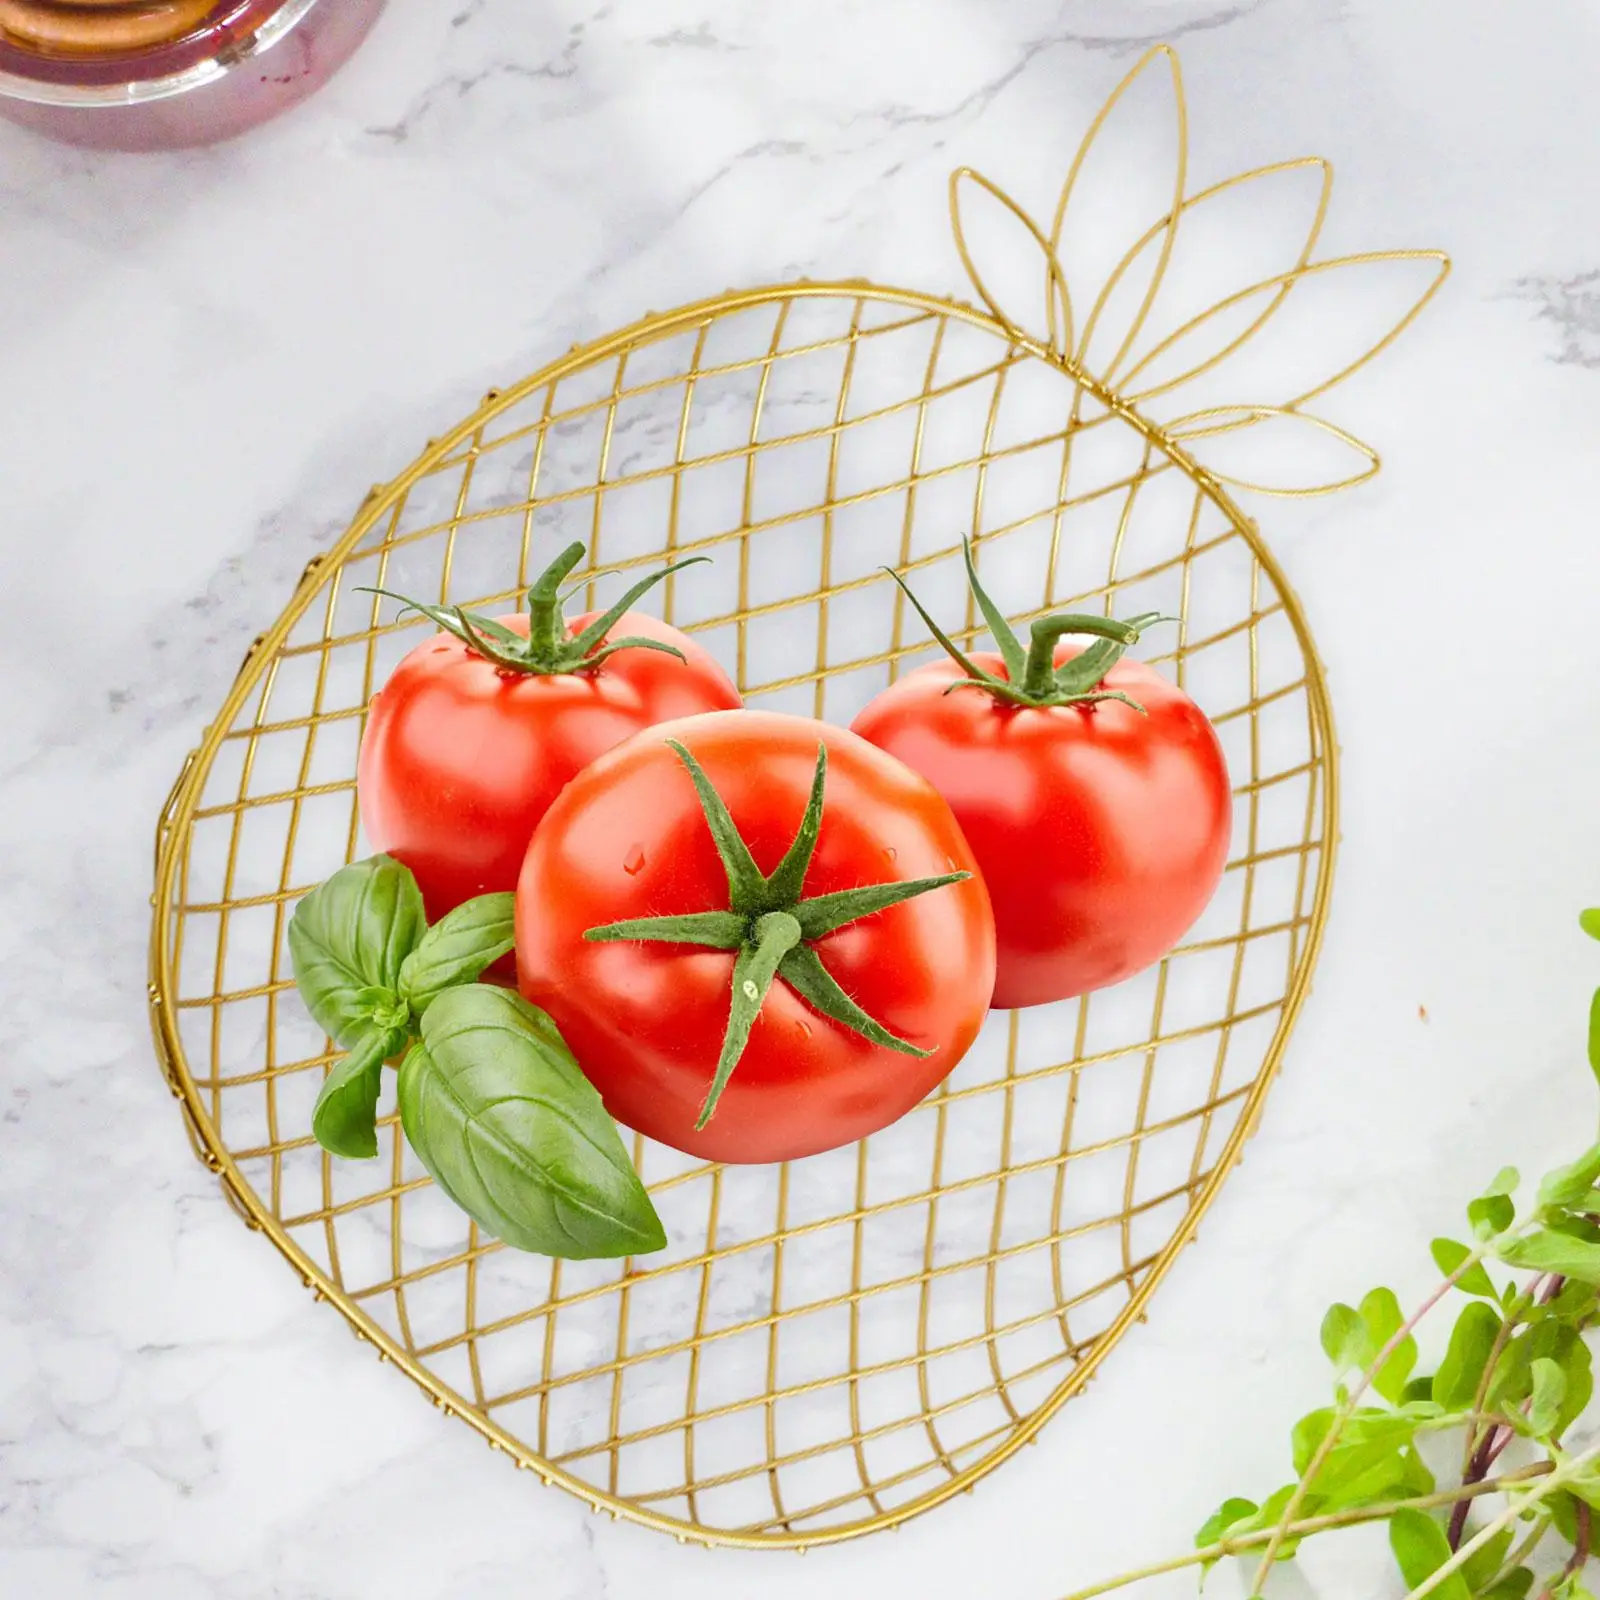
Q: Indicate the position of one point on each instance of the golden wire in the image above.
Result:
(572, 1332)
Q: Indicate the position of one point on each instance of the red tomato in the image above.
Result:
(629, 838)
(462, 757)
(1101, 833)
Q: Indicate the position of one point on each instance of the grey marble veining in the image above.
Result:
(207, 358)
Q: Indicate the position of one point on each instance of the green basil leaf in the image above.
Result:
(1589, 921)
(1381, 1315)
(1548, 1393)
(497, 1111)
(1490, 1215)
(1548, 1250)
(1344, 1339)
(348, 939)
(1567, 1185)
(1448, 1254)
(458, 948)
(1420, 1549)
(344, 1120)
(1487, 1559)
(1455, 1384)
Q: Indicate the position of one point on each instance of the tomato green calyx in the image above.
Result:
(550, 647)
(772, 926)
(1032, 677)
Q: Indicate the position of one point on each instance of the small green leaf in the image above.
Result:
(1589, 921)
(1567, 1185)
(1217, 1524)
(1514, 1586)
(1230, 1513)
(344, 1120)
(1505, 1181)
(496, 1109)
(458, 948)
(1586, 1489)
(1576, 1367)
(1382, 1317)
(1456, 1382)
(1273, 1507)
(1372, 1459)
(1487, 1559)
(348, 940)
(1306, 1437)
(1344, 1339)
(1558, 1342)
(1548, 1394)
(1490, 1215)
(1414, 1401)
(1549, 1250)
(1594, 1033)
(1513, 1373)
(1366, 1474)
(1420, 1549)
(1448, 1256)
(1563, 1509)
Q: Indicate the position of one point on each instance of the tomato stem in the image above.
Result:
(547, 628)
(771, 925)
(550, 647)
(775, 934)
(1032, 676)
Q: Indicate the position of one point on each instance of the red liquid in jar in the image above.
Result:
(244, 62)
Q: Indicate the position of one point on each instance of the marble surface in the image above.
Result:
(206, 357)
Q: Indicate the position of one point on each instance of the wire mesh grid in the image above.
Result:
(832, 1345)
(822, 1342)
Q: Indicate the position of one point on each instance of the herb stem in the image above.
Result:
(1351, 1401)
(1309, 1525)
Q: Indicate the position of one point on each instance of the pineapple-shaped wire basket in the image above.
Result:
(833, 1345)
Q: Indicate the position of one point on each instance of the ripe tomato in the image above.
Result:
(777, 865)
(1101, 829)
(480, 728)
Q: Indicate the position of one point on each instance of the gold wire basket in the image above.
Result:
(834, 1345)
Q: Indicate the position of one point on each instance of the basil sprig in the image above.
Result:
(491, 1099)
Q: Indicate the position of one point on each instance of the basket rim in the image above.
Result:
(177, 815)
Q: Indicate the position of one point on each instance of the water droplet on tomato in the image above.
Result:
(633, 862)
(803, 1027)
(890, 852)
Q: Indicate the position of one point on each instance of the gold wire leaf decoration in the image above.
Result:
(1127, 359)
(834, 1345)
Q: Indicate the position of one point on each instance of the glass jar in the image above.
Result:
(242, 62)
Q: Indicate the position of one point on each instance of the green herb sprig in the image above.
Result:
(1516, 1520)
(490, 1098)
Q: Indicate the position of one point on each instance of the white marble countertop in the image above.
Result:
(207, 357)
